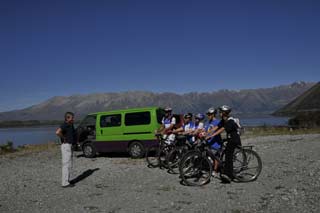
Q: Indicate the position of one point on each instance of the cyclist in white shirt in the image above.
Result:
(187, 128)
(168, 123)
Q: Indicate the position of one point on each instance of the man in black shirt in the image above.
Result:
(67, 134)
(233, 140)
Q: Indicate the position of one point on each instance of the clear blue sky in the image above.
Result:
(65, 47)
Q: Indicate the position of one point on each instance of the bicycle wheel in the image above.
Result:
(173, 159)
(152, 156)
(195, 169)
(238, 160)
(247, 165)
(163, 155)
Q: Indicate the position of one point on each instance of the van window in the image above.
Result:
(137, 118)
(160, 115)
(110, 120)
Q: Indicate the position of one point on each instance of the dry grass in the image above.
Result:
(29, 149)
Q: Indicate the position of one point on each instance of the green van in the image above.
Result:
(129, 130)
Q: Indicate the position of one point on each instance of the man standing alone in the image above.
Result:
(67, 134)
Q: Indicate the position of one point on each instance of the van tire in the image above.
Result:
(88, 149)
(136, 149)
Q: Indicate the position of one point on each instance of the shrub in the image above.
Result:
(8, 147)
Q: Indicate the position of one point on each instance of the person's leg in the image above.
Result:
(70, 163)
(228, 168)
(66, 162)
(216, 164)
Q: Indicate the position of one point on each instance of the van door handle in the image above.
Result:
(101, 132)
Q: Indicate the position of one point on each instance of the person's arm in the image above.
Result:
(216, 133)
(173, 122)
(212, 130)
(59, 132)
(160, 130)
(177, 130)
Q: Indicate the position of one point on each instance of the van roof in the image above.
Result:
(125, 110)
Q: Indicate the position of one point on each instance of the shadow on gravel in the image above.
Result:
(115, 155)
(84, 175)
(107, 155)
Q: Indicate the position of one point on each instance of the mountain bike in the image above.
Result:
(156, 155)
(196, 166)
(174, 157)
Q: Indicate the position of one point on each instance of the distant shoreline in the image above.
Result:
(29, 123)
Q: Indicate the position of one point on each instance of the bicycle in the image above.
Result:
(156, 155)
(196, 166)
(175, 156)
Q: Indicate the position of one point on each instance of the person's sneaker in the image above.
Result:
(215, 174)
(225, 178)
(68, 186)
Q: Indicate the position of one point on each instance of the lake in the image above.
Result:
(39, 135)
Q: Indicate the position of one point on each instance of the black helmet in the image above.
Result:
(168, 109)
(224, 108)
(188, 115)
(211, 110)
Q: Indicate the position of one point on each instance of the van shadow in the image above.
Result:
(84, 175)
(114, 155)
(107, 155)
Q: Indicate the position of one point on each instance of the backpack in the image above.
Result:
(240, 129)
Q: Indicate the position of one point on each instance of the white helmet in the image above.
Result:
(168, 109)
(211, 110)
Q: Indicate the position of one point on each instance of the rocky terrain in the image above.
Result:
(289, 182)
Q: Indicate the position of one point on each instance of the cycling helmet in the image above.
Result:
(168, 109)
(200, 116)
(188, 115)
(211, 111)
(226, 109)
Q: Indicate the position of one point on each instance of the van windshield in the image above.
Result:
(160, 115)
(90, 120)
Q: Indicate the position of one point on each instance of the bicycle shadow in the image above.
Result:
(84, 175)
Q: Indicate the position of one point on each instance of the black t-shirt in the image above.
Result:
(69, 133)
(232, 130)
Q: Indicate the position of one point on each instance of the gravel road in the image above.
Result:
(289, 182)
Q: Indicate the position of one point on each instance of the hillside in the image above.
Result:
(305, 109)
(249, 101)
(307, 102)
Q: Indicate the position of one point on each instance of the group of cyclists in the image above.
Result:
(195, 128)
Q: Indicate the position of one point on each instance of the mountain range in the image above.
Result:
(248, 101)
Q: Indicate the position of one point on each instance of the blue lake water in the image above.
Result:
(39, 135)
(28, 135)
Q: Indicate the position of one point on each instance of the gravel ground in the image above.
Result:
(289, 182)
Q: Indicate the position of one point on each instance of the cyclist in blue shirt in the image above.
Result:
(210, 127)
(215, 142)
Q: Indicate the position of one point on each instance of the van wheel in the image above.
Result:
(88, 150)
(136, 150)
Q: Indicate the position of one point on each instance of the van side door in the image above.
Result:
(110, 128)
